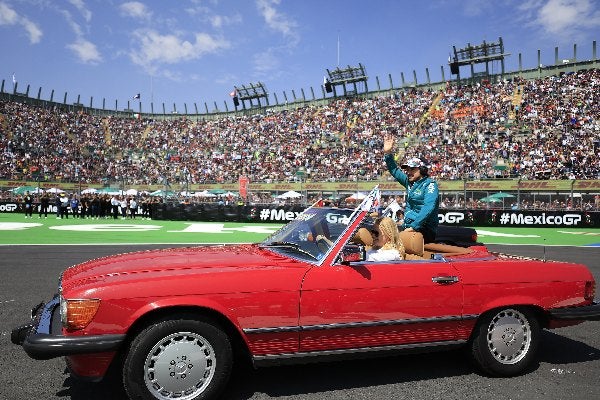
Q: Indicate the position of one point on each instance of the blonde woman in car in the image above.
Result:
(387, 245)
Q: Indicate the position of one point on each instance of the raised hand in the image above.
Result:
(388, 143)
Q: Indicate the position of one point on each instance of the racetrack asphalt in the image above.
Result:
(568, 369)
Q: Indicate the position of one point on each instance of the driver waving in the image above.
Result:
(422, 193)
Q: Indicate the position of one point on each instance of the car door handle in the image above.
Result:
(445, 280)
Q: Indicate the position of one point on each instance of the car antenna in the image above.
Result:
(544, 259)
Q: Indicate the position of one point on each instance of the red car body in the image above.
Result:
(274, 303)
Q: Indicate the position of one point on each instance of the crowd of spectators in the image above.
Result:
(546, 128)
(551, 133)
(527, 202)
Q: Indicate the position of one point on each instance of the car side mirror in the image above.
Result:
(352, 253)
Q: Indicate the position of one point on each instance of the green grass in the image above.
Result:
(15, 229)
(546, 236)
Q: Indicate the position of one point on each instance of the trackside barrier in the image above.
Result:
(521, 218)
(267, 214)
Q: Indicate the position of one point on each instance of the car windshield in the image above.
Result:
(311, 234)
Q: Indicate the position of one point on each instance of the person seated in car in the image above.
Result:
(387, 245)
(422, 192)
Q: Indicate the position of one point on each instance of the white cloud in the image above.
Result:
(473, 8)
(226, 79)
(155, 49)
(135, 9)
(529, 5)
(219, 21)
(80, 5)
(556, 16)
(266, 62)
(197, 10)
(85, 51)
(215, 20)
(33, 31)
(277, 21)
(10, 17)
(72, 24)
(566, 18)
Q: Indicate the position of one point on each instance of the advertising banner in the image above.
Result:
(521, 218)
(283, 214)
(385, 185)
(272, 214)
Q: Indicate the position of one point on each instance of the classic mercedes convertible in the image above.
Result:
(172, 321)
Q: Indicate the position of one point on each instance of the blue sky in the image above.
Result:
(195, 51)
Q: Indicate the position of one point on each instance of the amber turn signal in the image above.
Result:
(78, 313)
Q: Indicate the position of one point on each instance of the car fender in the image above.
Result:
(238, 322)
(183, 302)
(510, 301)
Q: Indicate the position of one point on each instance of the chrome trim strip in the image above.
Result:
(308, 354)
(45, 316)
(282, 329)
(350, 325)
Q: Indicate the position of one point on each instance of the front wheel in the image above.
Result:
(181, 359)
(505, 342)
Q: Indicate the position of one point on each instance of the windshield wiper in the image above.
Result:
(291, 245)
(284, 244)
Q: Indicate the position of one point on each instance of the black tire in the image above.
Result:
(179, 358)
(505, 342)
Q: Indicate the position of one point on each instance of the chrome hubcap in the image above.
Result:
(179, 366)
(509, 336)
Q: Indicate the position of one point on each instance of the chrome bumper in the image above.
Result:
(42, 337)
(583, 313)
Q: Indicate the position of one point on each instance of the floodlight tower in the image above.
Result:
(478, 54)
(346, 76)
(250, 92)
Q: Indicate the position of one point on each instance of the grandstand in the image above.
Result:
(511, 129)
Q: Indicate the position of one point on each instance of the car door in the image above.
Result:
(379, 304)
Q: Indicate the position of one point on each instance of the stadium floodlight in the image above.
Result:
(477, 54)
(251, 92)
(346, 76)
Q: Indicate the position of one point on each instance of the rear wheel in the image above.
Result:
(505, 342)
(181, 359)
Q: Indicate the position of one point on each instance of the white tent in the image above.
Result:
(204, 193)
(163, 193)
(131, 192)
(89, 191)
(357, 196)
(289, 195)
(22, 189)
(111, 191)
(55, 190)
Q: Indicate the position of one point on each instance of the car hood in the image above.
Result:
(167, 265)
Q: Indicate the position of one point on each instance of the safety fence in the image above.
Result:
(270, 214)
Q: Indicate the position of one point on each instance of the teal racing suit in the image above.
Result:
(422, 201)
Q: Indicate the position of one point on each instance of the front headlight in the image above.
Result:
(76, 314)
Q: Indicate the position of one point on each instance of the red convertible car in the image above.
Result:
(172, 322)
